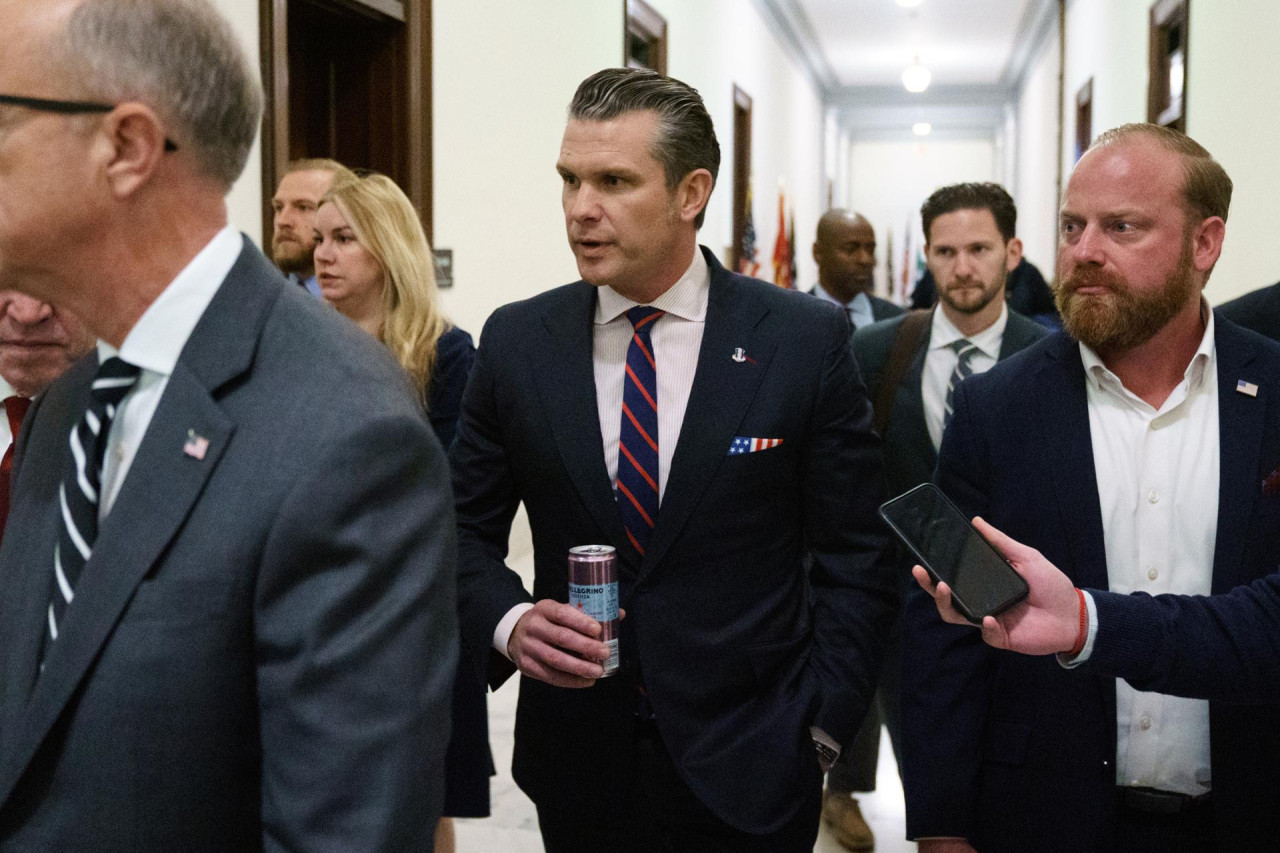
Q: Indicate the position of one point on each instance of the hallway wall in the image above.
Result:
(503, 74)
(244, 203)
(1035, 187)
(1229, 59)
(1231, 86)
(890, 180)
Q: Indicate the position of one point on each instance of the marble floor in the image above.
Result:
(513, 826)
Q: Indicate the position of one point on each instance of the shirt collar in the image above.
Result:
(156, 340)
(1100, 376)
(6, 390)
(686, 299)
(944, 333)
(860, 303)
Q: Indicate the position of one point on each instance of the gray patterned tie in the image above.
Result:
(964, 349)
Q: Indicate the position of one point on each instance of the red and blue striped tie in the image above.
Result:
(638, 441)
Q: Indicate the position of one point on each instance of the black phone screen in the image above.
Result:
(982, 582)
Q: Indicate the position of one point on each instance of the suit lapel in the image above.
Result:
(1068, 450)
(1241, 420)
(565, 373)
(909, 416)
(162, 485)
(157, 495)
(722, 390)
(1019, 333)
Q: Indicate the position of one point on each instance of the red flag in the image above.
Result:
(781, 251)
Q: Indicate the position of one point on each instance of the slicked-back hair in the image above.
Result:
(972, 196)
(1206, 188)
(180, 58)
(686, 138)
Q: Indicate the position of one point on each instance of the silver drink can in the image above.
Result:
(593, 589)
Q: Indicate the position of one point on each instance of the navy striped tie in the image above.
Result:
(638, 440)
(81, 487)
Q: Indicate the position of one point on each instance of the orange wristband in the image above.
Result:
(1083, 633)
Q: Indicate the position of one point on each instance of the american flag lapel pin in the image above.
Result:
(740, 355)
(196, 446)
(1247, 388)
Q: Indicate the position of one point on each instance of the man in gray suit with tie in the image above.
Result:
(911, 365)
(229, 620)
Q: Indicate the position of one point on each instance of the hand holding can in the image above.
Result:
(593, 590)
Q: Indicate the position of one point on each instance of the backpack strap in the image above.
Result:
(910, 333)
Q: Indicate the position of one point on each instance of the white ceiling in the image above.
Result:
(963, 42)
(856, 50)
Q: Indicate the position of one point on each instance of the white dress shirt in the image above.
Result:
(154, 344)
(858, 308)
(940, 361)
(1157, 473)
(677, 340)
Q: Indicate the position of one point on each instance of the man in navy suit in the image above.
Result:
(1132, 451)
(1258, 310)
(845, 251)
(971, 245)
(714, 430)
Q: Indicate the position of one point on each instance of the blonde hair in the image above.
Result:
(388, 227)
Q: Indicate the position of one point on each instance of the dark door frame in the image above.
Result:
(414, 149)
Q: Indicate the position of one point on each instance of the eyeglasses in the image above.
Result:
(46, 105)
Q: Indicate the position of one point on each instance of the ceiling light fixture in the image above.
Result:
(922, 128)
(916, 77)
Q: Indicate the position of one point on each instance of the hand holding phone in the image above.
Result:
(944, 542)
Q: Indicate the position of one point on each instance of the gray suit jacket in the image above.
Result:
(261, 647)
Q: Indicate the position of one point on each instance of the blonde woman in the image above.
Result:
(374, 265)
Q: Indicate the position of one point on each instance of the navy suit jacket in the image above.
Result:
(736, 659)
(261, 648)
(1015, 752)
(1258, 310)
(1224, 647)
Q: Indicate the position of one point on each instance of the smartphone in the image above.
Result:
(951, 550)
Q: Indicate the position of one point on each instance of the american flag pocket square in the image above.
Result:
(742, 444)
(1271, 485)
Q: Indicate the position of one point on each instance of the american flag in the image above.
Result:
(742, 444)
(197, 445)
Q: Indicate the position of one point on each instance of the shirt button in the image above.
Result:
(1144, 723)
(1153, 497)
(1153, 573)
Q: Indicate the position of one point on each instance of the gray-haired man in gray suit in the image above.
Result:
(229, 615)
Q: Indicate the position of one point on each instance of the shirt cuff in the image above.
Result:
(502, 633)
(1091, 634)
(825, 743)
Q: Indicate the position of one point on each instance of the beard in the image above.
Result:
(1122, 318)
(292, 257)
(967, 301)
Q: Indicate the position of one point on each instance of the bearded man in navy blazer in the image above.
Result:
(1134, 451)
(228, 620)
(741, 672)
